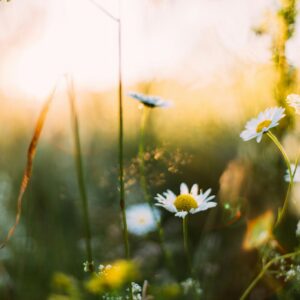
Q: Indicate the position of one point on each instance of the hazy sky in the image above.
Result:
(191, 40)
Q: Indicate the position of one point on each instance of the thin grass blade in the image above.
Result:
(28, 170)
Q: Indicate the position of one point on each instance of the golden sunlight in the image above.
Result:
(76, 37)
(107, 108)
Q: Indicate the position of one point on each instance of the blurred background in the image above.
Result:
(220, 62)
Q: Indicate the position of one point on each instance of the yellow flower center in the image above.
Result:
(142, 220)
(185, 202)
(262, 125)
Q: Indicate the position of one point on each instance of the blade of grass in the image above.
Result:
(121, 142)
(80, 173)
(28, 169)
(104, 10)
(121, 126)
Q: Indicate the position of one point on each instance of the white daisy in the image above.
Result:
(256, 127)
(298, 229)
(295, 172)
(294, 101)
(187, 202)
(150, 101)
(140, 218)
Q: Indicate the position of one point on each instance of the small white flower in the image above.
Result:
(298, 229)
(186, 202)
(150, 101)
(294, 101)
(103, 270)
(136, 291)
(290, 274)
(88, 266)
(190, 284)
(256, 127)
(136, 288)
(296, 173)
(140, 218)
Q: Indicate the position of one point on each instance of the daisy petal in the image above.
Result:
(184, 189)
(181, 214)
(194, 190)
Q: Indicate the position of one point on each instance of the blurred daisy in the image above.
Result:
(187, 202)
(256, 127)
(298, 229)
(140, 219)
(150, 101)
(296, 173)
(294, 101)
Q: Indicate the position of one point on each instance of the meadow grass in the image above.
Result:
(210, 249)
(29, 165)
(89, 264)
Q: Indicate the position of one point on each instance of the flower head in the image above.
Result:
(256, 127)
(298, 229)
(136, 291)
(141, 219)
(112, 277)
(294, 101)
(187, 201)
(150, 101)
(295, 171)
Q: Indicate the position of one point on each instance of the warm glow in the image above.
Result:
(43, 73)
(259, 231)
(67, 46)
(73, 36)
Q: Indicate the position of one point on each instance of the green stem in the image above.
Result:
(282, 211)
(80, 175)
(145, 114)
(185, 242)
(282, 151)
(144, 186)
(264, 269)
(121, 135)
(121, 144)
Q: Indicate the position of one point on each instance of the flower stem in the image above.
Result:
(121, 135)
(121, 143)
(282, 211)
(144, 186)
(281, 149)
(145, 114)
(186, 243)
(264, 269)
(80, 175)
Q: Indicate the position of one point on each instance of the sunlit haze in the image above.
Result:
(41, 40)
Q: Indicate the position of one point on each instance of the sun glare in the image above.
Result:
(36, 74)
(76, 37)
(66, 47)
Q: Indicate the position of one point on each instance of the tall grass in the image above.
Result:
(80, 174)
(121, 141)
(29, 165)
(118, 21)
